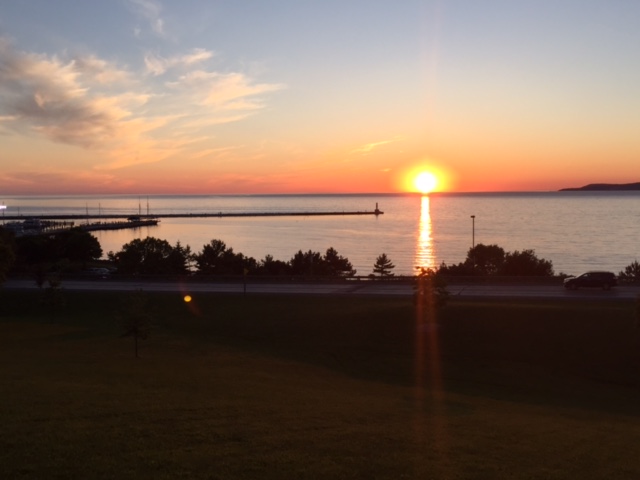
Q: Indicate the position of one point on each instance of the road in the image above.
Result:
(346, 288)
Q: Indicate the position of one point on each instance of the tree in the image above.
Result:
(216, 259)
(53, 296)
(307, 263)
(526, 263)
(135, 319)
(180, 259)
(70, 249)
(430, 293)
(313, 263)
(269, 266)
(460, 269)
(151, 256)
(34, 250)
(383, 266)
(76, 245)
(7, 253)
(485, 259)
(481, 260)
(631, 272)
(210, 259)
(336, 265)
(492, 260)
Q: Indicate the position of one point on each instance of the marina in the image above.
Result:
(50, 226)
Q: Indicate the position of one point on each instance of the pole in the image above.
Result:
(473, 231)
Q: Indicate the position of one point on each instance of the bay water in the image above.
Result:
(577, 231)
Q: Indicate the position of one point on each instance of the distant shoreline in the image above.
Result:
(604, 187)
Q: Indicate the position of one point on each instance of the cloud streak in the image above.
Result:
(369, 147)
(224, 91)
(157, 65)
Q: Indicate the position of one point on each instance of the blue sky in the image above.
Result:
(148, 96)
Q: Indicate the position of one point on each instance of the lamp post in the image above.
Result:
(473, 231)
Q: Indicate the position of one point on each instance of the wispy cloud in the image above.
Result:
(225, 91)
(221, 152)
(91, 103)
(150, 11)
(369, 147)
(50, 97)
(157, 65)
(98, 70)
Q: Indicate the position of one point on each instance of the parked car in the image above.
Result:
(604, 280)
(98, 272)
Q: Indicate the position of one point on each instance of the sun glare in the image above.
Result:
(425, 182)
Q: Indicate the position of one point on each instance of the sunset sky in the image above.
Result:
(331, 96)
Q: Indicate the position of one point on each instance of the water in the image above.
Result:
(577, 231)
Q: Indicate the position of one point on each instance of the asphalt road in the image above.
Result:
(347, 288)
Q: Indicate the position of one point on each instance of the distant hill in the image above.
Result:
(604, 187)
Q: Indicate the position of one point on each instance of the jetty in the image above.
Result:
(54, 223)
(131, 220)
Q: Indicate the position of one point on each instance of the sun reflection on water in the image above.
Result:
(425, 252)
(431, 428)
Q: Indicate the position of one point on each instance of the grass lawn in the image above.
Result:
(318, 387)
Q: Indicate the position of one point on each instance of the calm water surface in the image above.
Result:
(577, 231)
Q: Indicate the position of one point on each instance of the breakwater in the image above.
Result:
(189, 215)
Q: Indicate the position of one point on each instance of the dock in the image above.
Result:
(89, 227)
(31, 225)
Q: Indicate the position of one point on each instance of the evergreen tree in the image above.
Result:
(383, 266)
(336, 265)
(306, 263)
(217, 259)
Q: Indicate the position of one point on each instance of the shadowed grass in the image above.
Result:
(318, 387)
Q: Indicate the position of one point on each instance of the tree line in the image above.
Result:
(154, 256)
(74, 250)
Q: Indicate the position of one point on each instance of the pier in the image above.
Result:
(88, 227)
(54, 223)
(98, 217)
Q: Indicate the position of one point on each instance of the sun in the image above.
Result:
(425, 182)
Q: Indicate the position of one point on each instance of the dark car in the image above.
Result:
(604, 280)
(98, 272)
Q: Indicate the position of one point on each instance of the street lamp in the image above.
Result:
(473, 231)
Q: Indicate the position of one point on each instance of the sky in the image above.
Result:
(331, 96)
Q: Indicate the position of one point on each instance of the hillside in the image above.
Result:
(594, 187)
